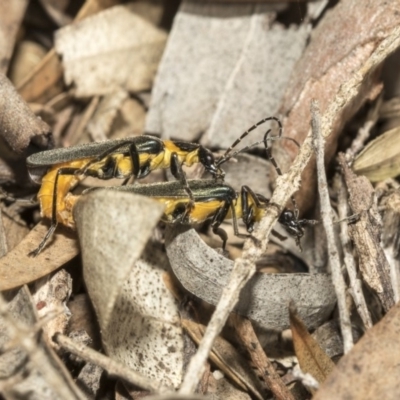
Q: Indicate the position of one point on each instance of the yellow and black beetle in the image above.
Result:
(60, 170)
(212, 201)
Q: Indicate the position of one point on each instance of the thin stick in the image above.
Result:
(326, 214)
(355, 283)
(245, 331)
(111, 366)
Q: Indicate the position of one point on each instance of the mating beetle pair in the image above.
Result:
(60, 170)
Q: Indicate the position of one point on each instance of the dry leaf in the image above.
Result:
(44, 82)
(137, 315)
(380, 159)
(11, 15)
(125, 53)
(101, 123)
(18, 268)
(371, 369)
(18, 123)
(144, 332)
(109, 223)
(312, 358)
(204, 272)
(27, 56)
(222, 86)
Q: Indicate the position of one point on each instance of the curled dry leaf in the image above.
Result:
(18, 123)
(203, 272)
(18, 268)
(110, 223)
(137, 315)
(380, 159)
(45, 376)
(334, 57)
(125, 53)
(312, 359)
(223, 86)
(371, 369)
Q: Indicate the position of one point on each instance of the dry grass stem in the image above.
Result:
(245, 331)
(326, 213)
(355, 282)
(112, 367)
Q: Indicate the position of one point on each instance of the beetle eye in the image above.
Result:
(207, 159)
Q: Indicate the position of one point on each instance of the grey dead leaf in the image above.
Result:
(203, 272)
(18, 268)
(113, 229)
(253, 171)
(50, 294)
(100, 124)
(46, 378)
(223, 86)
(380, 159)
(371, 369)
(145, 331)
(226, 358)
(11, 15)
(138, 317)
(18, 123)
(125, 53)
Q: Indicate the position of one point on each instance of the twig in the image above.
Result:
(326, 212)
(111, 366)
(355, 283)
(245, 331)
(365, 131)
